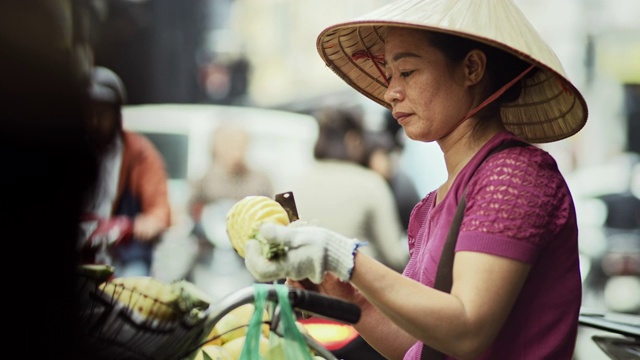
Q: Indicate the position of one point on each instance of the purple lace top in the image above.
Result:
(519, 207)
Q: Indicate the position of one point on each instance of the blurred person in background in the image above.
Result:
(131, 195)
(339, 192)
(228, 179)
(494, 268)
(341, 135)
(384, 155)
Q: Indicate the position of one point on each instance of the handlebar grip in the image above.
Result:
(324, 305)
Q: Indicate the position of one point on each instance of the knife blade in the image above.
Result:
(288, 202)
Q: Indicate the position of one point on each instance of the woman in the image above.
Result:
(451, 75)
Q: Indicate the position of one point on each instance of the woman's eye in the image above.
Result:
(406, 73)
(403, 74)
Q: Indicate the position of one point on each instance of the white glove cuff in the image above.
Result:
(341, 258)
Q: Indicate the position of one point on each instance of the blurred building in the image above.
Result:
(263, 53)
(153, 46)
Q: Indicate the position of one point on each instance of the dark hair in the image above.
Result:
(334, 125)
(502, 66)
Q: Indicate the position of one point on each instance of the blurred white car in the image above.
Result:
(281, 144)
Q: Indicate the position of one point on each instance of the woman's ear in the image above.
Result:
(474, 66)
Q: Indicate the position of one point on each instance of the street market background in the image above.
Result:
(263, 53)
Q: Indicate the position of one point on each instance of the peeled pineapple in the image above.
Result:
(245, 217)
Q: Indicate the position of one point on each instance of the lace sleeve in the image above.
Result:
(519, 194)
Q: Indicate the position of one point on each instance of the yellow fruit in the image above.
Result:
(245, 217)
(238, 319)
(213, 338)
(279, 345)
(215, 352)
(234, 347)
(152, 299)
(191, 297)
(231, 327)
(245, 312)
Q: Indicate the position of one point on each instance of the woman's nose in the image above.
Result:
(393, 93)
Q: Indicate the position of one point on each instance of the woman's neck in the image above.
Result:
(460, 146)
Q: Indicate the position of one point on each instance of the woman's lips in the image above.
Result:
(401, 117)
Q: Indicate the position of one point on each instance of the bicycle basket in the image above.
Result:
(112, 327)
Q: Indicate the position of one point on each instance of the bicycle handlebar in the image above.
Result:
(302, 300)
(323, 305)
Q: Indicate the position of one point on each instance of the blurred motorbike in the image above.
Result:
(620, 262)
(622, 332)
(609, 213)
(99, 236)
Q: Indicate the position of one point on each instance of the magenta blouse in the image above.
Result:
(519, 207)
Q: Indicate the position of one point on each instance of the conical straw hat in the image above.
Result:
(549, 108)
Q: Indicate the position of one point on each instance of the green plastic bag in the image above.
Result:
(291, 346)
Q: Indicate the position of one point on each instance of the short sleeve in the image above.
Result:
(516, 201)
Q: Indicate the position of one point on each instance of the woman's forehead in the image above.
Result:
(405, 43)
(395, 35)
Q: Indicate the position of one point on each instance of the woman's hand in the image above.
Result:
(311, 252)
(331, 285)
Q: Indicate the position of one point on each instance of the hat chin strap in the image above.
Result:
(491, 98)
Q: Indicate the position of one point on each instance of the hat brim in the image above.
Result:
(550, 107)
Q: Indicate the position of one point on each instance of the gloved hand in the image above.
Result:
(310, 252)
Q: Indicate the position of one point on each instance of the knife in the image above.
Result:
(288, 202)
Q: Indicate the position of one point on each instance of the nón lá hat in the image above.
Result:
(549, 108)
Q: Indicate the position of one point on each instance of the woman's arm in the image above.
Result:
(378, 330)
(461, 324)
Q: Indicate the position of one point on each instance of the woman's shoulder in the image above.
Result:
(528, 158)
(518, 192)
(525, 171)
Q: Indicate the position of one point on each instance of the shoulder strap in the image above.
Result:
(444, 276)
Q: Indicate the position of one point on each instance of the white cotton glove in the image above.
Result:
(310, 252)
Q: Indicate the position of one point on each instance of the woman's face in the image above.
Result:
(427, 93)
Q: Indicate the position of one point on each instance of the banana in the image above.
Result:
(153, 299)
(213, 352)
(245, 217)
(191, 299)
